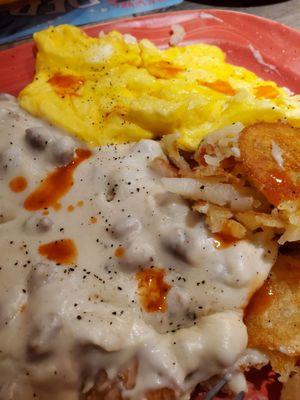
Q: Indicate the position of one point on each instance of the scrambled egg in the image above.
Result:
(113, 89)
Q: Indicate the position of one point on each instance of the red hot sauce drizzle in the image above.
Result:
(66, 84)
(153, 289)
(56, 184)
(62, 251)
(18, 184)
(223, 241)
(280, 188)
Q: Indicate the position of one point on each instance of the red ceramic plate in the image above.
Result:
(266, 47)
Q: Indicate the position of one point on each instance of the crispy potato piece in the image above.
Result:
(233, 229)
(214, 174)
(282, 364)
(292, 387)
(273, 315)
(256, 143)
(253, 220)
(105, 389)
(114, 393)
(128, 374)
(215, 215)
(161, 394)
(218, 220)
(168, 143)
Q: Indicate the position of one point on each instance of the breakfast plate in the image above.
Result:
(249, 216)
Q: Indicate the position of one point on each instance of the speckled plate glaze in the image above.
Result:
(268, 48)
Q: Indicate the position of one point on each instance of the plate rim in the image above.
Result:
(23, 52)
(29, 39)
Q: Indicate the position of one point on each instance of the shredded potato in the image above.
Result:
(169, 145)
(253, 220)
(236, 169)
(194, 189)
(163, 167)
(218, 220)
(161, 394)
(245, 188)
(106, 389)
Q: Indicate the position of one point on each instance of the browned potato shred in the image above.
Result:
(218, 219)
(163, 167)
(128, 374)
(106, 389)
(254, 220)
(161, 394)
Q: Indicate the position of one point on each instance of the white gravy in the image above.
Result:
(61, 324)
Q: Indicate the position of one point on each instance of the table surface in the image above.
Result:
(286, 12)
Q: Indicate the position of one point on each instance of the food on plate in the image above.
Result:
(165, 258)
(114, 89)
(111, 285)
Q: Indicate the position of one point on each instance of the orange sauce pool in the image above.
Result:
(280, 187)
(120, 251)
(153, 289)
(66, 84)
(18, 184)
(266, 92)
(220, 86)
(222, 241)
(164, 69)
(55, 185)
(285, 271)
(261, 300)
(60, 251)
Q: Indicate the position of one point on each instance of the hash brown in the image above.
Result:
(255, 144)
(273, 315)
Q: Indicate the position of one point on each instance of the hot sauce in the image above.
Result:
(120, 251)
(66, 84)
(153, 289)
(266, 92)
(164, 69)
(18, 184)
(55, 185)
(261, 300)
(280, 187)
(222, 241)
(60, 251)
(220, 86)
